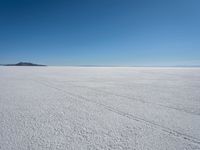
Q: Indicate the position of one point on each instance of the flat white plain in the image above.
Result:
(118, 108)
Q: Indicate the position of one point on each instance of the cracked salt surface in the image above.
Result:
(99, 108)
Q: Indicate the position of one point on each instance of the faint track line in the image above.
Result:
(138, 100)
(127, 115)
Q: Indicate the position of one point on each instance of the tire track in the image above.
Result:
(127, 115)
(138, 100)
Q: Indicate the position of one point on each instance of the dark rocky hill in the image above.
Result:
(24, 64)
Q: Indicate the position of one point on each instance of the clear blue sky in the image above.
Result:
(100, 32)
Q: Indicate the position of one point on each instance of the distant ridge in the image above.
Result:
(24, 64)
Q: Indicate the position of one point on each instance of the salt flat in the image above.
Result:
(78, 108)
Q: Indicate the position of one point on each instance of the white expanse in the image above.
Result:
(89, 108)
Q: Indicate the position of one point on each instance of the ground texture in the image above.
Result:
(77, 108)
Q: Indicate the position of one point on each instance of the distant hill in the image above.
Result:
(24, 64)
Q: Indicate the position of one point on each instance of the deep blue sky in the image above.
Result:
(100, 32)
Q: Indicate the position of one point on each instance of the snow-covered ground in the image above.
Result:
(99, 108)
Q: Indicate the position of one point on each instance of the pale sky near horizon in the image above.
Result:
(100, 32)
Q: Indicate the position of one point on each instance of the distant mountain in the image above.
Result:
(24, 64)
